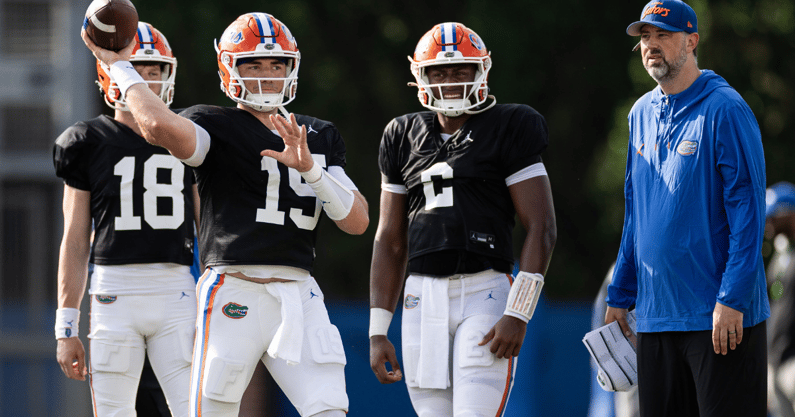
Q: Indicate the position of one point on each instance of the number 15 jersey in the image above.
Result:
(141, 196)
(457, 195)
(255, 210)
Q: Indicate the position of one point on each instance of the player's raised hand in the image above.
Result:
(506, 337)
(72, 358)
(381, 352)
(296, 152)
(107, 57)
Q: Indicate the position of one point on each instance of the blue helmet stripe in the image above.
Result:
(449, 36)
(259, 26)
(259, 17)
(145, 36)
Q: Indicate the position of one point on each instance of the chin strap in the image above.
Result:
(482, 109)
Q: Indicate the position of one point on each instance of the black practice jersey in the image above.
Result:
(141, 196)
(255, 210)
(457, 197)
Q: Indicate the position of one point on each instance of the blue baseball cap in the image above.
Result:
(780, 197)
(670, 15)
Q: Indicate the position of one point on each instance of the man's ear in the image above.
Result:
(692, 41)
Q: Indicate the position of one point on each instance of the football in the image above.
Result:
(111, 24)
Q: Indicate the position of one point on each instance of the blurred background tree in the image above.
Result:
(569, 60)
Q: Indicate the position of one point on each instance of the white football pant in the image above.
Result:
(124, 328)
(236, 323)
(480, 383)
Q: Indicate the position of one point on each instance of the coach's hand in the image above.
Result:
(72, 358)
(381, 352)
(506, 337)
(620, 315)
(727, 328)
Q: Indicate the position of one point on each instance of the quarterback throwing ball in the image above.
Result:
(264, 180)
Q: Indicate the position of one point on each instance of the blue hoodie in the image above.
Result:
(695, 210)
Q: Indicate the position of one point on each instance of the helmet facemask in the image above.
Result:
(431, 96)
(257, 99)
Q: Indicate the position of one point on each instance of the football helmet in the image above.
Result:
(150, 47)
(252, 36)
(452, 43)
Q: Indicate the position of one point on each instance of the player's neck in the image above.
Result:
(126, 118)
(450, 125)
(263, 117)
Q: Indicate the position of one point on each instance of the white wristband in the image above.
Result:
(313, 174)
(523, 298)
(125, 76)
(336, 198)
(66, 322)
(379, 321)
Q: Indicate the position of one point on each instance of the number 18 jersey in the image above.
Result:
(141, 196)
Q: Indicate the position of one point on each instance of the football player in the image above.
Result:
(264, 179)
(453, 178)
(141, 202)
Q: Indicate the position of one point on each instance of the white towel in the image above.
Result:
(289, 337)
(432, 366)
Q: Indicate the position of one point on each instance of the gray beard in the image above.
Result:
(667, 71)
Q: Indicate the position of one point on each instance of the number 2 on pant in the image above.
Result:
(173, 190)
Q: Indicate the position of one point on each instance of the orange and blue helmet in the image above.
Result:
(452, 43)
(150, 47)
(253, 36)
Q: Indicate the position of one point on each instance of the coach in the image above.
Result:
(690, 256)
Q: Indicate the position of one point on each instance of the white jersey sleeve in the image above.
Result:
(535, 170)
(202, 147)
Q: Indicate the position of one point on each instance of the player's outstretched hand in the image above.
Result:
(506, 337)
(381, 352)
(72, 358)
(296, 152)
(108, 57)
